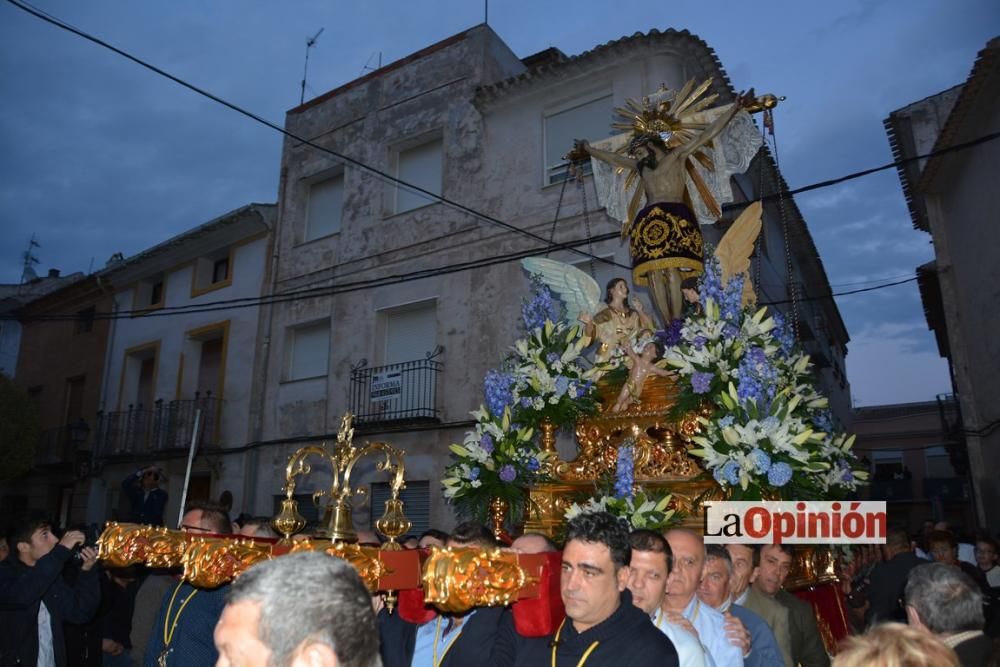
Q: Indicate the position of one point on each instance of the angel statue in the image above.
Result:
(643, 354)
(613, 323)
(674, 151)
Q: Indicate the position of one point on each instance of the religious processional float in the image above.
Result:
(718, 403)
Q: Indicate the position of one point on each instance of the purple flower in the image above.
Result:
(699, 342)
(533, 464)
(486, 442)
(701, 382)
(552, 357)
(671, 336)
(507, 473)
(730, 331)
(525, 402)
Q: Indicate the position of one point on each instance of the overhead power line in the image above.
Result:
(420, 274)
(781, 194)
(59, 23)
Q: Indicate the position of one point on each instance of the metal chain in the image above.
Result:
(586, 222)
(562, 192)
(791, 286)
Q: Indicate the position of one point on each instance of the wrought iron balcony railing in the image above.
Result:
(168, 425)
(404, 392)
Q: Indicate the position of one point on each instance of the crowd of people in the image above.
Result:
(633, 598)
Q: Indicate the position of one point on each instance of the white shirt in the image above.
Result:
(46, 654)
(690, 652)
(711, 631)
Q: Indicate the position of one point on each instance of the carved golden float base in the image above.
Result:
(660, 454)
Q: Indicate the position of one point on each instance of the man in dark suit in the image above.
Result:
(888, 579)
(944, 601)
(807, 645)
(145, 496)
(601, 626)
(450, 640)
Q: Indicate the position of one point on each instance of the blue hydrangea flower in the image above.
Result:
(730, 331)
(533, 464)
(779, 474)
(731, 472)
(760, 460)
(486, 442)
(498, 387)
(562, 385)
(552, 357)
(507, 473)
(701, 383)
(525, 402)
(726, 421)
(474, 474)
(699, 342)
(624, 473)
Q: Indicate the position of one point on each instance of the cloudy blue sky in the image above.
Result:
(100, 156)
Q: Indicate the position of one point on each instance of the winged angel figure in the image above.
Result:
(613, 321)
(682, 151)
(617, 321)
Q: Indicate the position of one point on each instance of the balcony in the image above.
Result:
(398, 393)
(169, 425)
(60, 446)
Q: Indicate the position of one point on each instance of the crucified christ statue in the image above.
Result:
(664, 238)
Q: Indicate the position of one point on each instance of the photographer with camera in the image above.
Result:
(146, 497)
(35, 599)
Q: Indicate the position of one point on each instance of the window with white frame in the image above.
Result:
(590, 120)
(423, 166)
(308, 350)
(326, 207)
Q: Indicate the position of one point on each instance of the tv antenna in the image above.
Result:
(311, 42)
(28, 256)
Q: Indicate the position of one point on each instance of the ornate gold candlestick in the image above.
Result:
(339, 523)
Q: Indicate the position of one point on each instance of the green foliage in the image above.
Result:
(19, 429)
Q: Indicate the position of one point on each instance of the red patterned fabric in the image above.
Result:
(828, 602)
